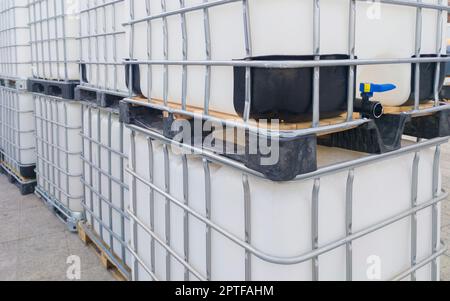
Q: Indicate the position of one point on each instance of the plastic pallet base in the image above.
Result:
(385, 134)
(70, 221)
(60, 89)
(103, 99)
(25, 188)
(28, 172)
(296, 155)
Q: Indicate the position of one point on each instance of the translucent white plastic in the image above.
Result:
(15, 60)
(110, 189)
(278, 27)
(103, 41)
(17, 128)
(281, 218)
(59, 167)
(54, 28)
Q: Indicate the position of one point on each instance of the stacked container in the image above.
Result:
(58, 119)
(106, 140)
(318, 213)
(16, 105)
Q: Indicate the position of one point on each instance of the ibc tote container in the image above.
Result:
(105, 148)
(17, 144)
(186, 51)
(59, 147)
(54, 46)
(198, 216)
(103, 45)
(17, 132)
(15, 61)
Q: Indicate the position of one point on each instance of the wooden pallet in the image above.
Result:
(111, 263)
(283, 126)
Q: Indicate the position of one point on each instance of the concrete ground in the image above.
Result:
(35, 245)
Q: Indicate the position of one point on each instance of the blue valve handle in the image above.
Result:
(368, 89)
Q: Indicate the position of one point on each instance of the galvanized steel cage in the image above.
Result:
(17, 130)
(58, 147)
(105, 204)
(208, 63)
(251, 251)
(53, 34)
(101, 50)
(14, 39)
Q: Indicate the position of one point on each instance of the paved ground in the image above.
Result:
(445, 260)
(35, 245)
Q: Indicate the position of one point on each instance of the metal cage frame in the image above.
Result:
(93, 37)
(352, 63)
(90, 169)
(313, 256)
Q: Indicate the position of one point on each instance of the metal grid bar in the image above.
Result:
(317, 250)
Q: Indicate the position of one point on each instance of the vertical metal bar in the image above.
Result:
(152, 203)
(315, 228)
(316, 76)
(122, 189)
(64, 41)
(435, 213)
(167, 210)
(438, 54)
(418, 46)
(207, 173)
(99, 174)
(207, 29)
(131, 52)
(133, 206)
(185, 57)
(415, 179)
(166, 55)
(248, 52)
(56, 40)
(349, 224)
(149, 52)
(185, 214)
(91, 170)
(114, 51)
(110, 183)
(351, 51)
(248, 226)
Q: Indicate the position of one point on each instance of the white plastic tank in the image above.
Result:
(17, 128)
(106, 150)
(281, 226)
(59, 145)
(277, 27)
(103, 41)
(15, 60)
(54, 30)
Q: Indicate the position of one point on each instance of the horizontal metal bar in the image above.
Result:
(210, 4)
(289, 64)
(276, 259)
(422, 263)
